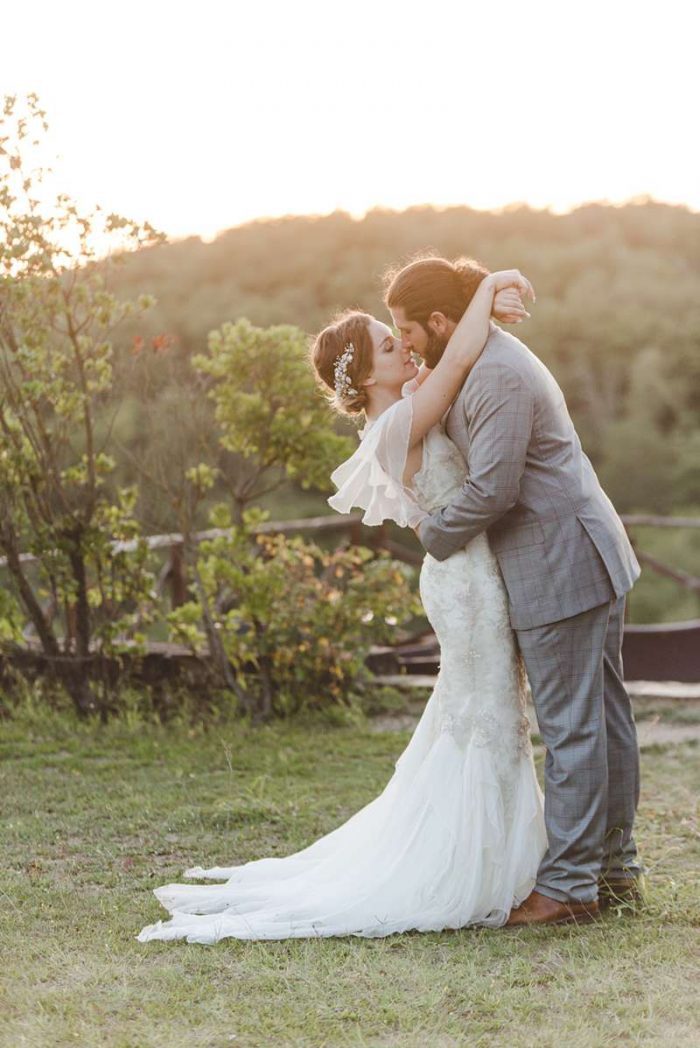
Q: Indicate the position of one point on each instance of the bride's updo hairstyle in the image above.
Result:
(330, 346)
(430, 284)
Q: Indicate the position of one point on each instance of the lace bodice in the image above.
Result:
(442, 471)
(481, 690)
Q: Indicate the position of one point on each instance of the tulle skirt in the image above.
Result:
(450, 842)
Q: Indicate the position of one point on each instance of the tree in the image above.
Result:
(294, 623)
(269, 410)
(273, 421)
(82, 596)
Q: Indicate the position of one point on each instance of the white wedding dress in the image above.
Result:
(457, 835)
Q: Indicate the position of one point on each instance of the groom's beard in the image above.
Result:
(434, 348)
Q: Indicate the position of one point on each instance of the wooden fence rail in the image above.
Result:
(669, 651)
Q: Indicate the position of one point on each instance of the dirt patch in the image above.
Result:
(661, 720)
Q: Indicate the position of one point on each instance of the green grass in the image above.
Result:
(94, 818)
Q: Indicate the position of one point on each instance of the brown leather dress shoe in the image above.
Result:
(540, 909)
(625, 892)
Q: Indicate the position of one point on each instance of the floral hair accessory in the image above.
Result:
(343, 382)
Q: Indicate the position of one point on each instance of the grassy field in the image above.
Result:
(94, 818)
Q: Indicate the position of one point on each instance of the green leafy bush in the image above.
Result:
(269, 410)
(296, 622)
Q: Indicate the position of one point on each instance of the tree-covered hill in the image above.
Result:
(617, 317)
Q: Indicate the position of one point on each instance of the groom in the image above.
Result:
(567, 565)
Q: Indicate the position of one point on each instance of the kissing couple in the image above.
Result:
(524, 580)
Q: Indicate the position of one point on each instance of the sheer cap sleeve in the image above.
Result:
(372, 478)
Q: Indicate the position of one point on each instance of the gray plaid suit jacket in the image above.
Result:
(561, 546)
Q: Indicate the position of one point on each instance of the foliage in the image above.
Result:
(268, 409)
(269, 424)
(10, 619)
(296, 622)
(658, 599)
(57, 314)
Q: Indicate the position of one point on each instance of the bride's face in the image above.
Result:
(392, 365)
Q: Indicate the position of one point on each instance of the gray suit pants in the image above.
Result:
(592, 757)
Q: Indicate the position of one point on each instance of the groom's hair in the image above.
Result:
(430, 284)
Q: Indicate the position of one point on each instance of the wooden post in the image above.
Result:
(356, 533)
(176, 575)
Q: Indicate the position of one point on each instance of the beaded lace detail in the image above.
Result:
(481, 689)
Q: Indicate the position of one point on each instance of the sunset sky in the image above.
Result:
(200, 116)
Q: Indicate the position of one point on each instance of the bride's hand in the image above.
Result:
(512, 278)
(508, 307)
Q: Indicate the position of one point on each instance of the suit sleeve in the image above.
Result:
(499, 408)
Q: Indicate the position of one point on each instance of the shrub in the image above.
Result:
(296, 622)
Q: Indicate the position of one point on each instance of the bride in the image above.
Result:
(457, 835)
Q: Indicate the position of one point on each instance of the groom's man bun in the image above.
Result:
(431, 284)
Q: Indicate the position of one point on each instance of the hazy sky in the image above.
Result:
(202, 115)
